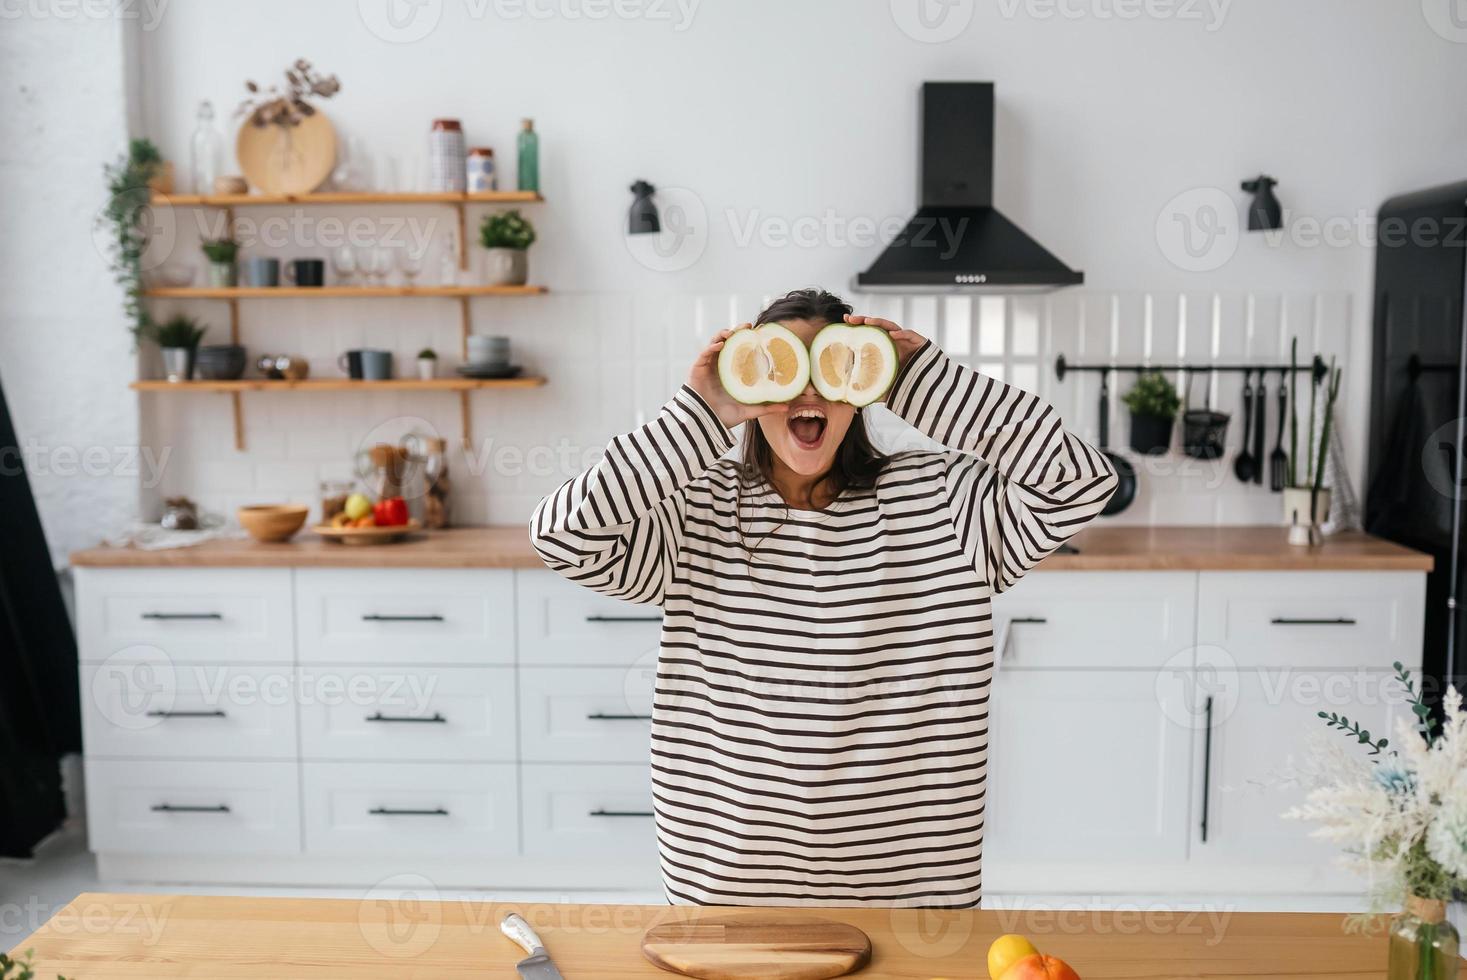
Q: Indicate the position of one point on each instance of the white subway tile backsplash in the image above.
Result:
(613, 359)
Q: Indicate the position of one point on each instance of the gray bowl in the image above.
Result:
(220, 362)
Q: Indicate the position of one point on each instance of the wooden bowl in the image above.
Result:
(272, 522)
(367, 535)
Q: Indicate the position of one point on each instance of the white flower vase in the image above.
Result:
(1304, 511)
(427, 368)
(506, 267)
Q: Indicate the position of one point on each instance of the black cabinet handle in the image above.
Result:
(1036, 620)
(186, 714)
(182, 615)
(603, 716)
(623, 619)
(380, 618)
(1285, 621)
(437, 719)
(621, 813)
(170, 808)
(1206, 764)
(382, 811)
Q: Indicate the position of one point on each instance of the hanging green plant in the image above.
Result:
(128, 195)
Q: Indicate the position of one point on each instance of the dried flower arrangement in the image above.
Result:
(274, 107)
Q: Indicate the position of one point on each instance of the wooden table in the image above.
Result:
(1102, 548)
(156, 937)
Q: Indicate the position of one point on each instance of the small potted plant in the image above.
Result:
(1153, 403)
(178, 337)
(505, 237)
(221, 253)
(427, 364)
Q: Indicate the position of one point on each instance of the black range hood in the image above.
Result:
(958, 241)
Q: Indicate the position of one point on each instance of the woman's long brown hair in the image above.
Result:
(857, 462)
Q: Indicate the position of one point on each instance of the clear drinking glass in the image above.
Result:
(410, 264)
(344, 261)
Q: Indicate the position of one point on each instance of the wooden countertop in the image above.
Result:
(1105, 548)
(156, 937)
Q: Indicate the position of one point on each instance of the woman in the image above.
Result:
(820, 724)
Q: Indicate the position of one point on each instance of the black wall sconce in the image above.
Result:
(1264, 213)
(642, 219)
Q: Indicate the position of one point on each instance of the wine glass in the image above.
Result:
(410, 264)
(381, 265)
(344, 261)
(364, 263)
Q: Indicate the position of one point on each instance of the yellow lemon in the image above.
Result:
(1005, 951)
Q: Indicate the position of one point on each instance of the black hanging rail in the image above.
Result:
(1062, 367)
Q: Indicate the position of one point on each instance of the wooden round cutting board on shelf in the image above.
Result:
(757, 946)
(287, 160)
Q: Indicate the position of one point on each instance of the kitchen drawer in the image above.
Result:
(372, 615)
(204, 615)
(223, 808)
(398, 714)
(563, 623)
(457, 810)
(602, 812)
(585, 714)
(1312, 619)
(1094, 619)
(153, 708)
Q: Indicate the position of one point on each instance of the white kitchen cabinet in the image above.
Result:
(392, 714)
(458, 811)
(155, 708)
(1053, 620)
(492, 726)
(223, 808)
(585, 714)
(1260, 720)
(193, 615)
(590, 812)
(561, 623)
(1086, 768)
(368, 615)
(1322, 619)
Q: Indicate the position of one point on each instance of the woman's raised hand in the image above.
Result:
(703, 378)
(908, 342)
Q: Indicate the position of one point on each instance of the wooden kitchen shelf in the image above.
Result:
(340, 384)
(235, 389)
(348, 197)
(338, 292)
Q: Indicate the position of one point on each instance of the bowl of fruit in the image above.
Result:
(361, 521)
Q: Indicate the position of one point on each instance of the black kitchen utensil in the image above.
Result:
(1203, 430)
(1125, 472)
(1245, 465)
(1260, 416)
(1278, 460)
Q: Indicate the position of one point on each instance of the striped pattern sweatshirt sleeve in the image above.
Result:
(617, 528)
(1018, 484)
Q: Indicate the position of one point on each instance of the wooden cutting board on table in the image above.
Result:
(757, 946)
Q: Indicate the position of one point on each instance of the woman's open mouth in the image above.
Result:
(807, 426)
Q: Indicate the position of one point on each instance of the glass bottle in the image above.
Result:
(529, 163)
(206, 152)
(1423, 943)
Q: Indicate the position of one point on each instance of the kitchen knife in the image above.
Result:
(537, 966)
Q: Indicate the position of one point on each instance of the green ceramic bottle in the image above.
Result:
(529, 162)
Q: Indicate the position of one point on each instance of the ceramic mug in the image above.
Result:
(350, 364)
(306, 272)
(376, 365)
(488, 351)
(262, 272)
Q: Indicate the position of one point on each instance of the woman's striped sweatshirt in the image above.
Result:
(820, 723)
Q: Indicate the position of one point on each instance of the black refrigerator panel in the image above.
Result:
(1415, 461)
